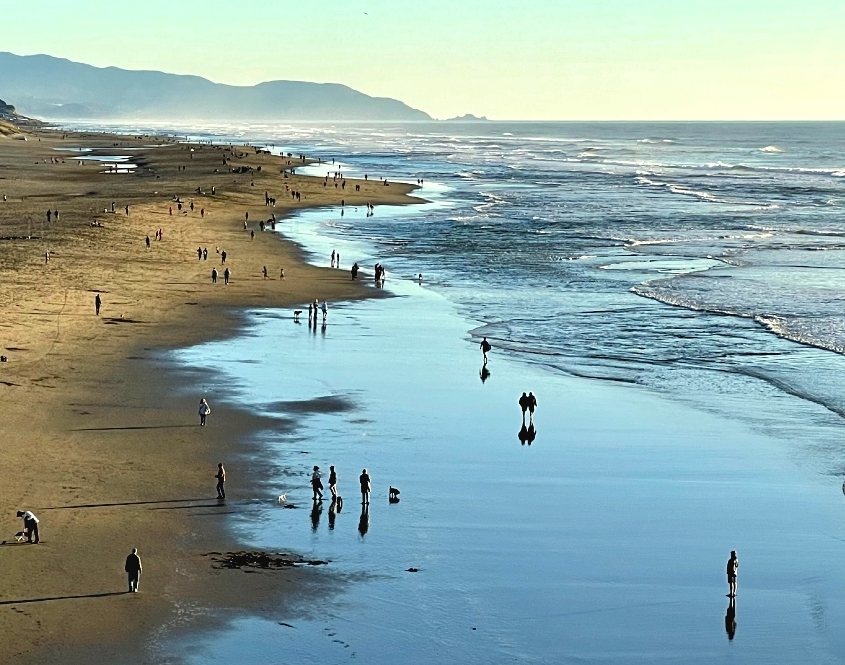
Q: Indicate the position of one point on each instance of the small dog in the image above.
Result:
(296, 314)
(20, 536)
(393, 495)
(282, 498)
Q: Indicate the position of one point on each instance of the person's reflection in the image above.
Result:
(332, 513)
(364, 522)
(316, 511)
(323, 328)
(484, 374)
(527, 434)
(730, 619)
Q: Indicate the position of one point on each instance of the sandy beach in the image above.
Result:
(103, 447)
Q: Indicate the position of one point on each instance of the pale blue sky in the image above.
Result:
(521, 59)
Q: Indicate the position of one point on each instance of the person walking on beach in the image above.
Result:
(325, 308)
(333, 483)
(204, 411)
(364, 479)
(333, 258)
(226, 275)
(214, 275)
(223, 256)
(484, 346)
(98, 302)
(221, 481)
(133, 570)
(316, 484)
(532, 404)
(523, 404)
(265, 272)
(30, 525)
(148, 242)
(733, 566)
(354, 271)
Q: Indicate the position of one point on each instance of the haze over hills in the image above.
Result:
(55, 88)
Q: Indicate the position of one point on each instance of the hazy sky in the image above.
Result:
(521, 59)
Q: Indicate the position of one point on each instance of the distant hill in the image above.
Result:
(7, 110)
(469, 117)
(55, 88)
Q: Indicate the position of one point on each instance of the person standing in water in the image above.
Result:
(733, 566)
(485, 345)
(532, 404)
(333, 483)
(523, 404)
(364, 479)
(316, 484)
(204, 411)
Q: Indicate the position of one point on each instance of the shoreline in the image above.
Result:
(89, 438)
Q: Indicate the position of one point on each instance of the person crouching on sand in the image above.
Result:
(204, 411)
(30, 525)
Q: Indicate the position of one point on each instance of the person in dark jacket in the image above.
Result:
(133, 570)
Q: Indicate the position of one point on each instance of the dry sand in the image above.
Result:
(103, 445)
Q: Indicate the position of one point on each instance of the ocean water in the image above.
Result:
(694, 259)
(671, 292)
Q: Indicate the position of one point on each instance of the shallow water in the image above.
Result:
(604, 541)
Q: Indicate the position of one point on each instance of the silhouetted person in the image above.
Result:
(223, 256)
(485, 348)
(364, 479)
(133, 570)
(148, 242)
(733, 566)
(316, 511)
(523, 404)
(221, 481)
(354, 271)
(364, 521)
(532, 404)
(226, 274)
(30, 525)
(333, 483)
(214, 275)
(730, 618)
(98, 302)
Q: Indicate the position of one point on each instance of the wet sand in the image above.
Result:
(101, 441)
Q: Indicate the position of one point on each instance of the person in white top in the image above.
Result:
(204, 411)
(30, 525)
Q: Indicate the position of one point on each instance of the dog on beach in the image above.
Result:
(393, 495)
(296, 314)
(282, 498)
